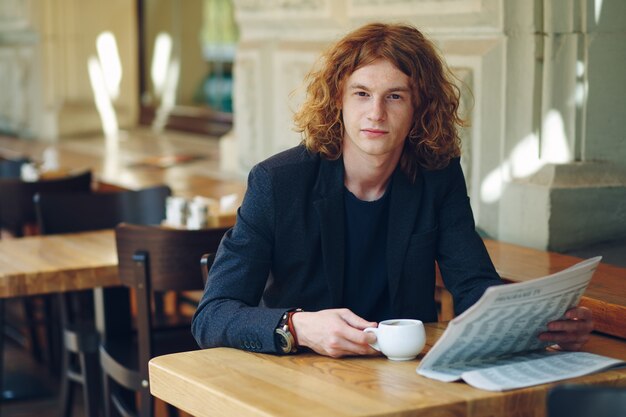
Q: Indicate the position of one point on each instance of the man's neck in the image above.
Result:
(368, 178)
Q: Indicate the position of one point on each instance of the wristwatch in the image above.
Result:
(284, 334)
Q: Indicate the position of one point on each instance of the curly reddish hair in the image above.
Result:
(433, 139)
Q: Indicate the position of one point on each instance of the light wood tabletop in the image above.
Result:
(230, 382)
(57, 263)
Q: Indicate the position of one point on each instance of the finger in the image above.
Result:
(359, 337)
(340, 346)
(571, 346)
(559, 337)
(571, 326)
(350, 349)
(564, 337)
(355, 321)
(359, 349)
(370, 338)
(579, 313)
(575, 315)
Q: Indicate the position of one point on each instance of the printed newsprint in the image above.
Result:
(494, 345)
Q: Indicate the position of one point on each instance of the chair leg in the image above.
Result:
(1, 352)
(91, 382)
(54, 335)
(35, 342)
(66, 396)
(107, 401)
(146, 403)
(172, 411)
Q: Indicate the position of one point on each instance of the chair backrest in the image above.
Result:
(12, 168)
(586, 401)
(77, 212)
(16, 197)
(205, 264)
(173, 255)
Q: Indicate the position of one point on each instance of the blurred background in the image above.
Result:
(543, 86)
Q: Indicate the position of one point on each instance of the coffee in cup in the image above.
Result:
(399, 339)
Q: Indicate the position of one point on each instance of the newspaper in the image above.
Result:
(494, 344)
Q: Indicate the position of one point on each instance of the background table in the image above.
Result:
(57, 263)
(53, 264)
(229, 382)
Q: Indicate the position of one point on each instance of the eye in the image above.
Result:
(395, 96)
(361, 94)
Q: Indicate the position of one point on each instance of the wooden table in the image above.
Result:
(229, 382)
(54, 264)
(57, 263)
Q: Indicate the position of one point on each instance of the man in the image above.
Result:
(347, 226)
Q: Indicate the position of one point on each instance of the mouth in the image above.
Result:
(375, 132)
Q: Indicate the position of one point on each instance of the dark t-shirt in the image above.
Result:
(366, 291)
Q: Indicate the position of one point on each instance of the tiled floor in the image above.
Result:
(25, 374)
(35, 376)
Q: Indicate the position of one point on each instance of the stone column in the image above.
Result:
(563, 171)
(45, 53)
(19, 43)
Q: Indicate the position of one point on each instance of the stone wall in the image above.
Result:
(544, 98)
(18, 69)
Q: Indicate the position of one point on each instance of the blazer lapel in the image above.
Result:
(330, 209)
(403, 207)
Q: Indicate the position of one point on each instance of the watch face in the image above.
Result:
(282, 342)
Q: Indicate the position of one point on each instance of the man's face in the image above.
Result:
(377, 112)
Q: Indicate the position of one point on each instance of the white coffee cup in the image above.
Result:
(399, 339)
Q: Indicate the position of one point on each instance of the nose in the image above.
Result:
(377, 109)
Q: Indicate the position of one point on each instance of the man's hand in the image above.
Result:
(335, 333)
(573, 331)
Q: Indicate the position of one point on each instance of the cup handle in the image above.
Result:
(375, 331)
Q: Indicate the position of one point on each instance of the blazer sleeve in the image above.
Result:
(464, 262)
(229, 313)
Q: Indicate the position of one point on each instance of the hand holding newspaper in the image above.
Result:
(494, 345)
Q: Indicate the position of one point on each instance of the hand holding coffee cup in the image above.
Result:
(399, 339)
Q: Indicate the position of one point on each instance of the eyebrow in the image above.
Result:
(389, 90)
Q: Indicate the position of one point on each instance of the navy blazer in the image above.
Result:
(287, 249)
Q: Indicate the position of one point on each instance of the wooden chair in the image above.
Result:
(151, 260)
(205, 264)
(190, 299)
(76, 212)
(586, 401)
(16, 198)
(17, 211)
